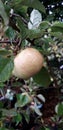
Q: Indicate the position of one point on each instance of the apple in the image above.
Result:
(27, 63)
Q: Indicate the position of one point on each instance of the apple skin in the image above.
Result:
(27, 63)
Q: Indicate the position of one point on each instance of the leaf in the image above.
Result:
(36, 4)
(36, 33)
(6, 67)
(35, 19)
(47, 129)
(23, 29)
(10, 33)
(24, 99)
(60, 109)
(3, 128)
(2, 85)
(1, 104)
(11, 112)
(57, 27)
(3, 13)
(37, 110)
(4, 52)
(27, 116)
(41, 97)
(59, 35)
(42, 78)
(18, 118)
(44, 25)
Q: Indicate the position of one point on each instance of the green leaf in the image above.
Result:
(27, 116)
(60, 109)
(39, 32)
(33, 33)
(42, 78)
(10, 33)
(1, 104)
(6, 67)
(47, 129)
(44, 25)
(11, 112)
(59, 35)
(36, 33)
(23, 99)
(4, 52)
(3, 128)
(36, 4)
(3, 13)
(23, 29)
(2, 85)
(57, 27)
(18, 118)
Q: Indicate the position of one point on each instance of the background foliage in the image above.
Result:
(20, 100)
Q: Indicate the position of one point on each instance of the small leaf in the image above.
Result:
(3, 128)
(2, 85)
(57, 34)
(36, 33)
(35, 19)
(37, 110)
(3, 13)
(4, 52)
(18, 118)
(57, 27)
(11, 112)
(27, 116)
(60, 109)
(23, 29)
(6, 67)
(42, 78)
(41, 97)
(44, 25)
(24, 99)
(10, 33)
(1, 104)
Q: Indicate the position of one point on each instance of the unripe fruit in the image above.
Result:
(27, 63)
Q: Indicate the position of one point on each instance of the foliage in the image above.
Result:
(21, 100)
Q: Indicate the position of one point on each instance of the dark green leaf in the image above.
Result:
(57, 27)
(3, 13)
(44, 25)
(3, 128)
(36, 33)
(1, 104)
(59, 35)
(18, 118)
(24, 99)
(42, 78)
(6, 67)
(36, 4)
(2, 85)
(4, 52)
(27, 116)
(10, 33)
(60, 109)
(23, 29)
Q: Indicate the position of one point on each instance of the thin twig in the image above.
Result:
(17, 15)
(8, 41)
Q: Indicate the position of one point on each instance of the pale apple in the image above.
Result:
(27, 63)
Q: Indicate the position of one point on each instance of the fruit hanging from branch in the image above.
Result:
(27, 63)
